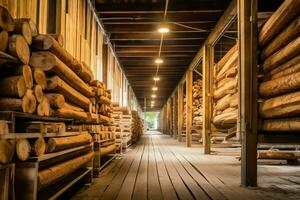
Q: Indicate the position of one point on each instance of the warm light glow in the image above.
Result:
(152, 102)
(154, 88)
(158, 61)
(156, 78)
(152, 105)
(163, 30)
(153, 95)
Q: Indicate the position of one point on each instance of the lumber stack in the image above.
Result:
(197, 103)
(279, 41)
(137, 126)
(225, 107)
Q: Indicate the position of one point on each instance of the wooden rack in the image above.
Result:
(7, 174)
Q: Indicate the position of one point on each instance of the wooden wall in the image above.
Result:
(83, 37)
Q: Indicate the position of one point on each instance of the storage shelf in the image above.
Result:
(36, 135)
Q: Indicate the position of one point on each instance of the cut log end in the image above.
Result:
(22, 27)
(39, 147)
(23, 149)
(38, 92)
(29, 102)
(40, 78)
(3, 40)
(18, 47)
(6, 20)
(55, 100)
(27, 74)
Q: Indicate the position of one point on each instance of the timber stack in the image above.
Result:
(137, 126)
(197, 104)
(225, 95)
(279, 90)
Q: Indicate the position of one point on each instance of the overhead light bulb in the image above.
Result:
(152, 102)
(152, 105)
(155, 88)
(163, 30)
(156, 78)
(158, 61)
(153, 95)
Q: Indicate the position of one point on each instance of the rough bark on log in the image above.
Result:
(23, 28)
(18, 47)
(279, 155)
(20, 70)
(73, 107)
(107, 150)
(223, 103)
(280, 86)
(6, 20)
(40, 77)
(286, 36)
(13, 86)
(29, 102)
(23, 149)
(32, 25)
(38, 93)
(232, 61)
(49, 62)
(57, 172)
(228, 116)
(39, 147)
(285, 105)
(225, 58)
(58, 85)
(287, 10)
(7, 149)
(3, 40)
(56, 100)
(226, 89)
(6, 59)
(69, 114)
(86, 73)
(288, 52)
(62, 143)
(10, 104)
(281, 125)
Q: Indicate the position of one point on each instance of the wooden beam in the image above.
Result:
(207, 94)
(248, 84)
(189, 107)
(155, 48)
(180, 111)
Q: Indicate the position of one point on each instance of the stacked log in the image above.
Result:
(197, 103)
(137, 126)
(225, 107)
(279, 41)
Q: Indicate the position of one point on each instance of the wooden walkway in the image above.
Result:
(159, 167)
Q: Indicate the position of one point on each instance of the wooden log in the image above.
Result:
(6, 20)
(280, 86)
(288, 52)
(225, 58)
(86, 73)
(29, 102)
(233, 101)
(23, 149)
(13, 86)
(58, 38)
(229, 116)
(223, 103)
(62, 143)
(49, 62)
(40, 77)
(104, 100)
(6, 59)
(107, 150)
(3, 40)
(10, 104)
(43, 108)
(282, 106)
(287, 10)
(69, 114)
(278, 155)
(232, 62)
(73, 107)
(39, 147)
(38, 93)
(7, 149)
(22, 27)
(32, 25)
(57, 172)
(281, 125)
(71, 95)
(286, 36)
(19, 70)
(56, 100)
(227, 88)
(288, 68)
(18, 47)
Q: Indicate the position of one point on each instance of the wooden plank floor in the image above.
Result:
(159, 167)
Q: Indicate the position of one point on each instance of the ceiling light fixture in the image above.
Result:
(158, 61)
(163, 29)
(152, 102)
(154, 88)
(153, 95)
(156, 78)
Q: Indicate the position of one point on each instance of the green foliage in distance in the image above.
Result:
(151, 119)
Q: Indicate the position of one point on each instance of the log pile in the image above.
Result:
(197, 103)
(137, 126)
(40, 77)
(225, 107)
(279, 41)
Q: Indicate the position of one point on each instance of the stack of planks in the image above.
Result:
(279, 40)
(225, 107)
(197, 103)
(40, 76)
(117, 115)
(137, 126)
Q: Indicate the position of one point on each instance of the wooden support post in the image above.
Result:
(247, 23)
(189, 107)
(174, 122)
(180, 111)
(207, 94)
